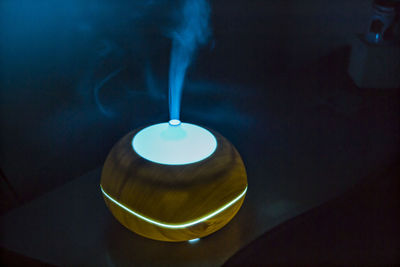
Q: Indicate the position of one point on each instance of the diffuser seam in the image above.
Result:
(175, 225)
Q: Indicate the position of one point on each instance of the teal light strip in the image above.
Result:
(175, 225)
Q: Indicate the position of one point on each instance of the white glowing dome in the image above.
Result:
(174, 143)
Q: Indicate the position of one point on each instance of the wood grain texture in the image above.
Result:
(173, 194)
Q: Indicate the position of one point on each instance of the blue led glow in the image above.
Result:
(193, 240)
(179, 144)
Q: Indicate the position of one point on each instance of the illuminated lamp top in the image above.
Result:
(174, 143)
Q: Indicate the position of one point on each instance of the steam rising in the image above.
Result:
(192, 31)
(97, 89)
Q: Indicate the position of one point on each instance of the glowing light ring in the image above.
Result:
(175, 225)
(174, 143)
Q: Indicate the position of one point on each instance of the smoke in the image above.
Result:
(97, 88)
(192, 31)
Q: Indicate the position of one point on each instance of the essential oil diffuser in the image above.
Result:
(173, 181)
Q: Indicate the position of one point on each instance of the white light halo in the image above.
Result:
(180, 144)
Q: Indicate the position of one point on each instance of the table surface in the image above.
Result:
(300, 148)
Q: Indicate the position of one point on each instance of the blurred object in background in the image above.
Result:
(384, 23)
(375, 56)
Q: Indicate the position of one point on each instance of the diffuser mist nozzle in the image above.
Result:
(174, 122)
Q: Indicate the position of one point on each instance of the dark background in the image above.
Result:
(57, 56)
(76, 76)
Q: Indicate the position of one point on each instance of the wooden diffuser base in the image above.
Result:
(173, 202)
